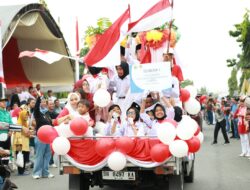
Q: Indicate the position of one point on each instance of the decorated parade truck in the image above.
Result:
(135, 169)
(164, 159)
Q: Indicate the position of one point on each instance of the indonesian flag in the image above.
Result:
(106, 51)
(1, 60)
(47, 56)
(156, 16)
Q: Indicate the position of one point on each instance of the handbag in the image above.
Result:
(19, 159)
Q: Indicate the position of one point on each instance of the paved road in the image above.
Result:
(217, 167)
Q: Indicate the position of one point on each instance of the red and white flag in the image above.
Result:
(106, 51)
(1, 60)
(156, 16)
(47, 56)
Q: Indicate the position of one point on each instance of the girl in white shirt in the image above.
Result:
(121, 84)
(160, 113)
(132, 127)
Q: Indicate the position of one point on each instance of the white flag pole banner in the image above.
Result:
(47, 56)
(2, 81)
(152, 77)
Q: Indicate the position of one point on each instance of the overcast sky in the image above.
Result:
(204, 45)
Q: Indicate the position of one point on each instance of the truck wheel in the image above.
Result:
(190, 178)
(176, 182)
(78, 182)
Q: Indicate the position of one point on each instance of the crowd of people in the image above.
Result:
(231, 115)
(126, 115)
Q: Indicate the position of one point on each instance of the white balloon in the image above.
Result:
(166, 132)
(190, 123)
(102, 97)
(184, 131)
(178, 148)
(192, 90)
(200, 137)
(192, 106)
(117, 161)
(64, 130)
(61, 145)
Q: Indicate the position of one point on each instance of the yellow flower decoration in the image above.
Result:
(88, 41)
(124, 42)
(154, 35)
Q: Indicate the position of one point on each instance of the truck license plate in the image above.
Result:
(120, 175)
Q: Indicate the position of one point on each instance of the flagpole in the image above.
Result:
(77, 52)
(170, 26)
(2, 82)
(129, 19)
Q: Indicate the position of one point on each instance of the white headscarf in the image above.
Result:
(72, 110)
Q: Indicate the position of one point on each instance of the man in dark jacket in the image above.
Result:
(43, 152)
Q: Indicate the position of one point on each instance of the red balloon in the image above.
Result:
(104, 147)
(184, 95)
(193, 144)
(203, 98)
(79, 126)
(160, 152)
(197, 131)
(124, 144)
(47, 134)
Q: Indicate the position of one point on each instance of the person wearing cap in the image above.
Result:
(5, 141)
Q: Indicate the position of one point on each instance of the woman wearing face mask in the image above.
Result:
(132, 127)
(160, 113)
(114, 120)
(69, 110)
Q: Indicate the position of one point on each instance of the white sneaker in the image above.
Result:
(53, 166)
(36, 177)
(242, 155)
(247, 155)
(51, 176)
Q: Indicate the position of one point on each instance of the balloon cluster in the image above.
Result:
(115, 149)
(57, 137)
(187, 96)
(177, 139)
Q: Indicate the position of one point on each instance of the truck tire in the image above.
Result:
(78, 182)
(176, 182)
(190, 178)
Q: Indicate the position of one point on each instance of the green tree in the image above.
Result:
(242, 34)
(186, 82)
(203, 90)
(232, 82)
